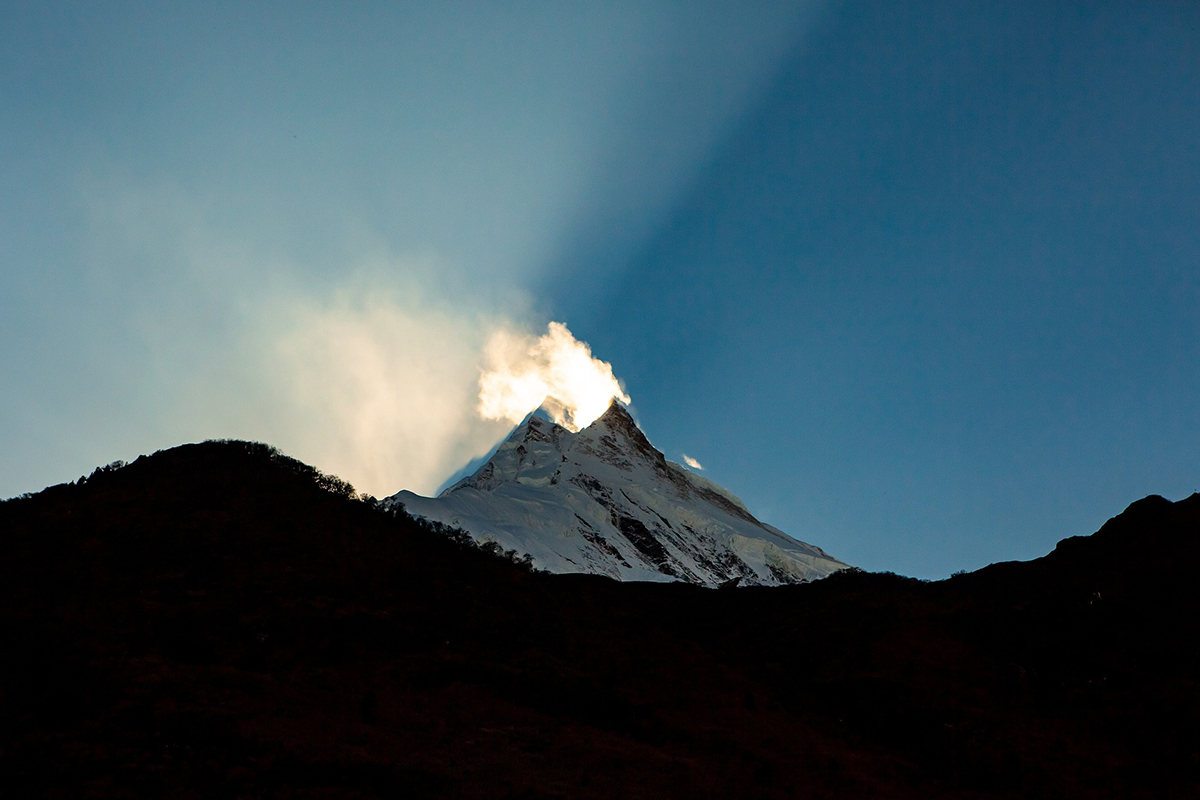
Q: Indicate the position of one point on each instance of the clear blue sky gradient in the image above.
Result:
(920, 282)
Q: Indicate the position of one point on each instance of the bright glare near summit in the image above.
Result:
(919, 283)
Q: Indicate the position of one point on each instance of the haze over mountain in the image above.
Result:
(603, 500)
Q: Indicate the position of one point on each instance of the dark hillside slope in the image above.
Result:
(216, 620)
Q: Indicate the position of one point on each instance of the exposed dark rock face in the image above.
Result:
(636, 532)
(216, 620)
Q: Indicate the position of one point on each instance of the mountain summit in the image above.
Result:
(603, 500)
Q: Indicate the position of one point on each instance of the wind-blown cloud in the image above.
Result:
(371, 372)
(363, 362)
(691, 462)
(523, 371)
(380, 391)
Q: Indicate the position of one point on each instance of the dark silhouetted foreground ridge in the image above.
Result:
(218, 620)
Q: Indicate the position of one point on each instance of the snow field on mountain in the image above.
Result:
(604, 501)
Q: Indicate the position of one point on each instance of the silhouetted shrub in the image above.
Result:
(332, 483)
(102, 471)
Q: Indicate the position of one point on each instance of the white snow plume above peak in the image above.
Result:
(691, 462)
(555, 371)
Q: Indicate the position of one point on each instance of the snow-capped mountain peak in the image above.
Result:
(604, 500)
(530, 456)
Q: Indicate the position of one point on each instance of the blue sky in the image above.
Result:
(920, 283)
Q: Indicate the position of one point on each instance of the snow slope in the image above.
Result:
(604, 501)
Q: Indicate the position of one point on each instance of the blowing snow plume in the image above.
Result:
(554, 370)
